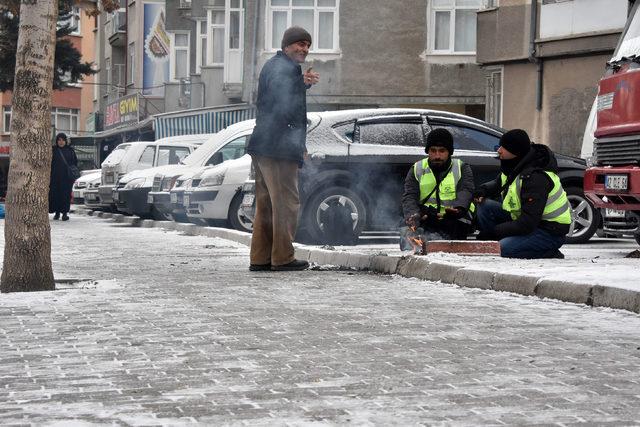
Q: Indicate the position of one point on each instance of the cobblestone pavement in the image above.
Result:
(173, 330)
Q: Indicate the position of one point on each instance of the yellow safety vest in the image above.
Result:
(447, 188)
(557, 209)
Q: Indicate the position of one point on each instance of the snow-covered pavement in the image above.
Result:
(170, 329)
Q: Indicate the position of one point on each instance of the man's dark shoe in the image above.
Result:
(553, 254)
(56, 216)
(259, 267)
(295, 265)
(65, 217)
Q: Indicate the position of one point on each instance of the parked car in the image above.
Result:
(214, 195)
(168, 183)
(131, 156)
(359, 158)
(90, 194)
(82, 184)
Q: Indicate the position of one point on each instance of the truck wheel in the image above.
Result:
(335, 216)
(238, 221)
(584, 216)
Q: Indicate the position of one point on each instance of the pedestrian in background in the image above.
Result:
(535, 214)
(438, 192)
(61, 183)
(277, 148)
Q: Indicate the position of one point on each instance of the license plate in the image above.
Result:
(616, 182)
(115, 196)
(185, 200)
(173, 197)
(247, 199)
(614, 213)
(150, 199)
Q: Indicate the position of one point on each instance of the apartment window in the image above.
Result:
(319, 17)
(215, 34)
(453, 26)
(131, 63)
(6, 118)
(179, 59)
(65, 120)
(201, 45)
(493, 96)
(73, 21)
(489, 4)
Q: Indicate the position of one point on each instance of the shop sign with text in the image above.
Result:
(123, 111)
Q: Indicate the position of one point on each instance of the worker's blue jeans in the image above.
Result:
(537, 244)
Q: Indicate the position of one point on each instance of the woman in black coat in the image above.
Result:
(61, 184)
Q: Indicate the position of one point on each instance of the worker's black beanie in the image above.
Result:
(440, 137)
(516, 141)
(295, 34)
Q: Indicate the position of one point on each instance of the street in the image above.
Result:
(169, 329)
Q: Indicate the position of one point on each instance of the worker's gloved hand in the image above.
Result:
(413, 220)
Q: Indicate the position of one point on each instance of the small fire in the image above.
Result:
(416, 242)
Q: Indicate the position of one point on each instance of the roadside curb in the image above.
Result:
(421, 268)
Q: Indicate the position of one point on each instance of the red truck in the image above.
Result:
(613, 183)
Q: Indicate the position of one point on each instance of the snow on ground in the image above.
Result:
(599, 262)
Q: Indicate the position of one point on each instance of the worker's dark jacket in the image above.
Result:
(411, 196)
(281, 116)
(536, 186)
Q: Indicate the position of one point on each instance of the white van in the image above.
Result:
(136, 155)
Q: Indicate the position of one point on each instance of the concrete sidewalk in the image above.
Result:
(599, 279)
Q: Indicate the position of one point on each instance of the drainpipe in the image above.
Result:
(254, 49)
(532, 53)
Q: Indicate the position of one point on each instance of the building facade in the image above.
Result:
(543, 60)
(70, 107)
(369, 53)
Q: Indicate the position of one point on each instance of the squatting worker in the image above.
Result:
(438, 191)
(277, 147)
(535, 214)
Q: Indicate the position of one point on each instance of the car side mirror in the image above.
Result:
(216, 159)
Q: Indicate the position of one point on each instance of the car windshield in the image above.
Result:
(465, 138)
(213, 144)
(117, 154)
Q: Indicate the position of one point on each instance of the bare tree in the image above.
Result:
(27, 251)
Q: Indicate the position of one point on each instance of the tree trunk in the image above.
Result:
(27, 250)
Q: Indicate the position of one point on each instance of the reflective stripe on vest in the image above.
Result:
(557, 208)
(447, 187)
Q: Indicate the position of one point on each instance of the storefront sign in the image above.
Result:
(123, 111)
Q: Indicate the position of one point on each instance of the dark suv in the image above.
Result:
(358, 160)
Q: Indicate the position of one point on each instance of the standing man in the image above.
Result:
(535, 214)
(438, 191)
(277, 147)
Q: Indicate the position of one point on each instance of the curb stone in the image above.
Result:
(422, 268)
(624, 299)
(441, 272)
(473, 278)
(578, 293)
(523, 285)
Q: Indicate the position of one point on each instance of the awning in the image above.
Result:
(144, 125)
(201, 120)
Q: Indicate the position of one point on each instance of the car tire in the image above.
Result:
(237, 221)
(637, 237)
(585, 217)
(335, 216)
(157, 215)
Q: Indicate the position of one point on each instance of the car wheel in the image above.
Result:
(157, 215)
(335, 216)
(584, 216)
(237, 220)
(637, 237)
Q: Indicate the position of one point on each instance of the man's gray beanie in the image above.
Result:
(295, 34)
